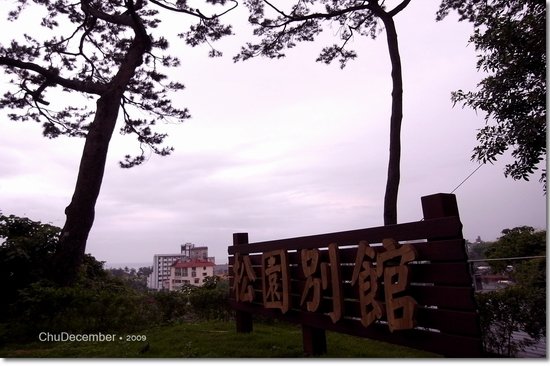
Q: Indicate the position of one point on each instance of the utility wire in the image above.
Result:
(505, 259)
(461, 183)
(468, 177)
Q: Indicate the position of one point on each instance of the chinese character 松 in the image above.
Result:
(244, 275)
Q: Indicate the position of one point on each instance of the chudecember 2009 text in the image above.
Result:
(92, 337)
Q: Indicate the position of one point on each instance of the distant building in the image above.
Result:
(160, 277)
(191, 272)
(221, 270)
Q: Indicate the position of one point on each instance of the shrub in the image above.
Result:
(211, 302)
(172, 306)
(81, 308)
(31, 303)
(504, 312)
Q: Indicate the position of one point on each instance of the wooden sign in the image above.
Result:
(407, 284)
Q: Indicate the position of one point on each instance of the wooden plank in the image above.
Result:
(449, 321)
(434, 251)
(442, 250)
(452, 274)
(450, 298)
(442, 298)
(243, 319)
(445, 274)
(459, 321)
(448, 227)
(445, 297)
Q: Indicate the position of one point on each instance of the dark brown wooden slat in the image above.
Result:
(461, 320)
(420, 291)
(448, 297)
(454, 274)
(442, 297)
(436, 251)
(451, 298)
(448, 227)
(440, 273)
(449, 274)
(442, 250)
(449, 321)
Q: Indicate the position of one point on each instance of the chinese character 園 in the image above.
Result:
(275, 280)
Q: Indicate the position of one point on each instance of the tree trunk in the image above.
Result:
(81, 211)
(394, 175)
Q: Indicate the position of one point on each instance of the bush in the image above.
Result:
(31, 303)
(97, 302)
(211, 302)
(506, 311)
(81, 308)
(172, 306)
(26, 251)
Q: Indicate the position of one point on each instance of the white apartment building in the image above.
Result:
(191, 272)
(160, 277)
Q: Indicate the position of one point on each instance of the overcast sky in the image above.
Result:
(283, 148)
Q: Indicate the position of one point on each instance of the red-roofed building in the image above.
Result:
(190, 272)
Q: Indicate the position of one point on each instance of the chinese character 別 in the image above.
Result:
(330, 278)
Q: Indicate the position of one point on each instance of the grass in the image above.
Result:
(213, 339)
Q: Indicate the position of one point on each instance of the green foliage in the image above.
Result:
(31, 302)
(136, 279)
(510, 36)
(522, 306)
(521, 241)
(85, 307)
(211, 301)
(99, 300)
(477, 250)
(172, 306)
(506, 311)
(26, 250)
